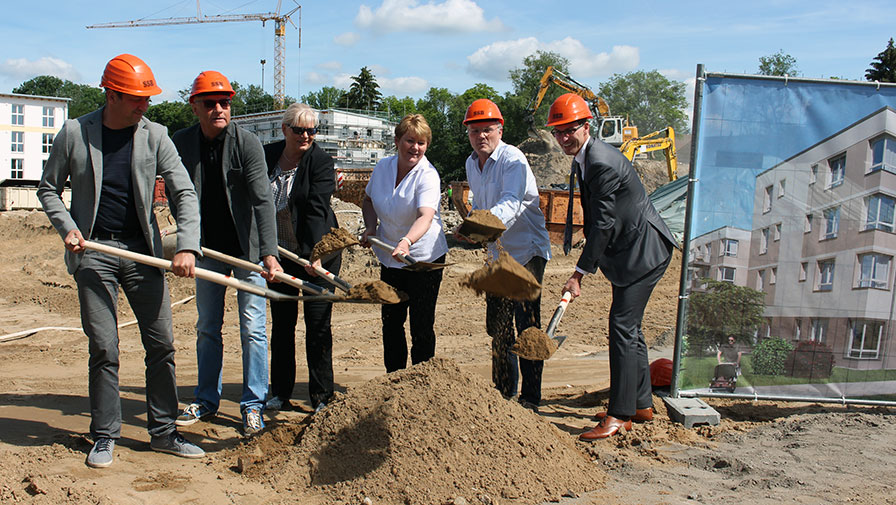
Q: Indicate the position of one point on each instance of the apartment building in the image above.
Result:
(28, 125)
(822, 243)
(722, 254)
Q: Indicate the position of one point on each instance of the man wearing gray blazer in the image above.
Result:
(627, 239)
(112, 157)
(227, 166)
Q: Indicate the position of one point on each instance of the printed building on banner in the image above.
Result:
(823, 242)
(722, 254)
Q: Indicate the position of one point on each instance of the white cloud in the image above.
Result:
(409, 16)
(342, 80)
(377, 71)
(494, 61)
(330, 66)
(22, 69)
(403, 86)
(346, 39)
(317, 78)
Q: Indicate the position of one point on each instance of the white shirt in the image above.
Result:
(396, 208)
(506, 187)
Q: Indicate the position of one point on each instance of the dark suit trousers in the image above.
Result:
(318, 338)
(422, 289)
(629, 368)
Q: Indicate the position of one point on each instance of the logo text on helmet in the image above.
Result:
(218, 84)
(557, 115)
(478, 112)
(148, 84)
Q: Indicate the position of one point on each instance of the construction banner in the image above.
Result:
(790, 241)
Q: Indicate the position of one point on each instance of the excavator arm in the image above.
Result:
(659, 140)
(552, 76)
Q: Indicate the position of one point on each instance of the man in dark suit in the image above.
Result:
(112, 157)
(226, 165)
(627, 239)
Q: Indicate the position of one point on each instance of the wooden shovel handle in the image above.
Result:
(407, 260)
(322, 272)
(248, 265)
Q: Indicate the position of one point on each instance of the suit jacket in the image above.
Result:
(248, 191)
(625, 235)
(78, 154)
(309, 198)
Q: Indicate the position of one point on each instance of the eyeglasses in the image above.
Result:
(210, 104)
(568, 131)
(298, 130)
(479, 131)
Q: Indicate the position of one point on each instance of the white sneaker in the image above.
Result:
(252, 422)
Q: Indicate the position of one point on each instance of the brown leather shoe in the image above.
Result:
(641, 415)
(608, 426)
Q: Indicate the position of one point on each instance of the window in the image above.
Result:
(777, 232)
(767, 202)
(760, 280)
(837, 167)
(49, 120)
(874, 270)
(18, 115)
(17, 168)
(804, 267)
(773, 275)
(797, 329)
(48, 142)
(813, 173)
(825, 275)
(808, 226)
(729, 246)
(879, 215)
(726, 274)
(883, 154)
(763, 241)
(864, 339)
(831, 223)
(819, 330)
(781, 185)
(18, 142)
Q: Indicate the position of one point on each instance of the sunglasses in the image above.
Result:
(568, 131)
(298, 130)
(210, 104)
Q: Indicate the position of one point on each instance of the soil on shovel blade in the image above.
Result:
(376, 291)
(337, 240)
(482, 226)
(534, 344)
(506, 278)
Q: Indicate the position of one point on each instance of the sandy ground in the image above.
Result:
(761, 452)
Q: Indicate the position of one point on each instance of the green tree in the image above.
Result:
(723, 310)
(325, 98)
(650, 100)
(778, 64)
(173, 115)
(444, 112)
(364, 92)
(770, 356)
(883, 67)
(84, 98)
(526, 82)
(252, 99)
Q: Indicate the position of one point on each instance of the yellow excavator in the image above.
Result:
(613, 130)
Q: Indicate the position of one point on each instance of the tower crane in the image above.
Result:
(280, 21)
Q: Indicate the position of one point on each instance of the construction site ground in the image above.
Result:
(433, 434)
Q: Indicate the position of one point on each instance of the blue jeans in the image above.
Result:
(210, 345)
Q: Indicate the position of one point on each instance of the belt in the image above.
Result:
(105, 235)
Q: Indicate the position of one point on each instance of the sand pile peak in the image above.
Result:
(428, 434)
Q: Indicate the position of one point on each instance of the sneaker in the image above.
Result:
(320, 406)
(194, 412)
(175, 443)
(101, 454)
(252, 422)
(276, 403)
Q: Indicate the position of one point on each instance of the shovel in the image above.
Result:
(536, 345)
(412, 264)
(280, 276)
(200, 273)
(322, 272)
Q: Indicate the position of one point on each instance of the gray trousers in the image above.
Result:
(99, 277)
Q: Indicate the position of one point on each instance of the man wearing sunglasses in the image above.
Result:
(227, 167)
(627, 239)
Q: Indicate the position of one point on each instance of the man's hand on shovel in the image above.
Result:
(574, 285)
(74, 240)
(271, 268)
(184, 264)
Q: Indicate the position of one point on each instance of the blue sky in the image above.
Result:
(413, 45)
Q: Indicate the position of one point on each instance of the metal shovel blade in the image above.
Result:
(411, 264)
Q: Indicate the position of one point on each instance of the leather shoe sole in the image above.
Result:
(641, 416)
(607, 427)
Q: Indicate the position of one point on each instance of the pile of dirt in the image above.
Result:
(534, 344)
(506, 278)
(336, 240)
(549, 163)
(376, 291)
(482, 226)
(424, 435)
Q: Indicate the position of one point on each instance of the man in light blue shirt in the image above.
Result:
(502, 182)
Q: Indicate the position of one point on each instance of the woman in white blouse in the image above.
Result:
(401, 207)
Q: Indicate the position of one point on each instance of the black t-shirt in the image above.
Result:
(218, 230)
(117, 212)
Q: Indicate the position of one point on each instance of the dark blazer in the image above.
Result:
(625, 235)
(309, 199)
(245, 182)
(77, 154)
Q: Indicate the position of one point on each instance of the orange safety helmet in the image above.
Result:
(211, 81)
(661, 372)
(129, 74)
(567, 108)
(481, 110)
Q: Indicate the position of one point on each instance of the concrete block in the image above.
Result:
(691, 411)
